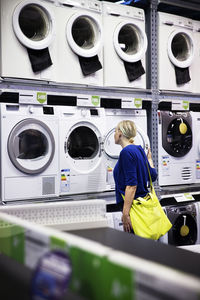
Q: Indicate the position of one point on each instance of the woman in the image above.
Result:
(131, 173)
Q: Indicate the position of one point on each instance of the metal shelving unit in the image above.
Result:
(152, 95)
(183, 8)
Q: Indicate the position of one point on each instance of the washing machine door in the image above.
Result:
(33, 24)
(176, 133)
(130, 42)
(31, 146)
(113, 150)
(181, 48)
(83, 147)
(84, 34)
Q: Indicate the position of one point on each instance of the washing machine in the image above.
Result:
(196, 143)
(29, 152)
(195, 68)
(28, 48)
(175, 52)
(125, 46)
(82, 131)
(80, 42)
(185, 224)
(176, 153)
(112, 150)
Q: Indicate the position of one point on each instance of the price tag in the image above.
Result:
(134, 103)
(180, 105)
(184, 197)
(32, 97)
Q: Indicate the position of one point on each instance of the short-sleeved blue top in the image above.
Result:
(131, 169)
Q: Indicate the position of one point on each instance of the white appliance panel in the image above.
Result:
(29, 153)
(36, 33)
(125, 46)
(79, 40)
(176, 47)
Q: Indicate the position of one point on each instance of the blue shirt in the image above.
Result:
(131, 169)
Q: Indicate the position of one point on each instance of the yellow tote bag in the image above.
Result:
(147, 216)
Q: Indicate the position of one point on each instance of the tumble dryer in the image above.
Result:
(185, 224)
(175, 53)
(28, 48)
(195, 68)
(29, 152)
(125, 45)
(175, 148)
(82, 131)
(196, 144)
(111, 150)
(79, 41)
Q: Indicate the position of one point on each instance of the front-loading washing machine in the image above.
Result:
(125, 45)
(79, 40)
(29, 152)
(111, 150)
(176, 154)
(28, 48)
(196, 143)
(175, 52)
(195, 68)
(185, 224)
(82, 131)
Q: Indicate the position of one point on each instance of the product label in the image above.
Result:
(110, 179)
(180, 105)
(132, 103)
(41, 97)
(51, 276)
(88, 101)
(197, 169)
(184, 197)
(165, 165)
(95, 100)
(65, 180)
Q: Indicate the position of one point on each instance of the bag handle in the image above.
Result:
(150, 179)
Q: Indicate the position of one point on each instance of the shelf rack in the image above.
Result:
(151, 95)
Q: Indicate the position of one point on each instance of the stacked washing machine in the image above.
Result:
(176, 51)
(29, 152)
(179, 164)
(125, 46)
(81, 165)
(111, 150)
(79, 42)
(28, 44)
(196, 85)
(176, 152)
(185, 219)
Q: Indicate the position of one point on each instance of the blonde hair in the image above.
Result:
(128, 129)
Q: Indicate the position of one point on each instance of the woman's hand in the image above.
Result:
(149, 156)
(126, 223)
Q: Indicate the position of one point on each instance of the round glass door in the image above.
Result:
(33, 24)
(84, 35)
(31, 146)
(184, 232)
(178, 139)
(130, 42)
(83, 147)
(181, 49)
(82, 143)
(113, 150)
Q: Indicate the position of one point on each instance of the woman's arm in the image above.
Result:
(128, 200)
(153, 170)
(149, 156)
